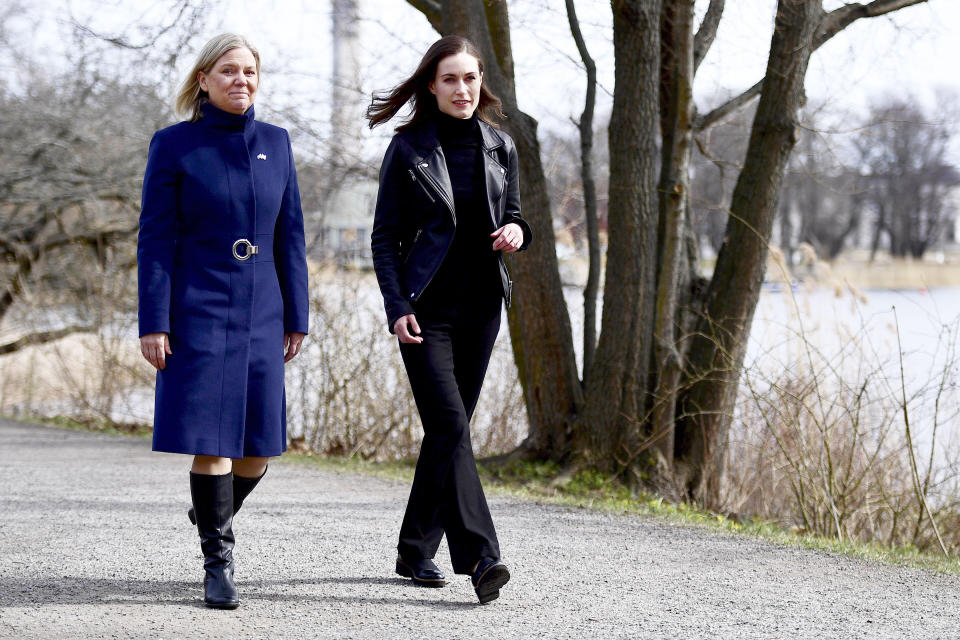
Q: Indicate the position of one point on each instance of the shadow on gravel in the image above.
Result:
(99, 591)
(66, 591)
(340, 580)
(400, 583)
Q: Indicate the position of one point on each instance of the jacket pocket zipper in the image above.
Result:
(416, 237)
(413, 176)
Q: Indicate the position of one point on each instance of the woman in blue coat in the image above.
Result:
(222, 290)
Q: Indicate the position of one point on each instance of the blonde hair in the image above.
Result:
(191, 96)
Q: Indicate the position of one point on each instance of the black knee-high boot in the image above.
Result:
(241, 489)
(213, 505)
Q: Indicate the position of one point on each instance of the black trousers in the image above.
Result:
(446, 372)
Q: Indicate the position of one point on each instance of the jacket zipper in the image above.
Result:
(436, 187)
(416, 237)
(503, 194)
(428, 178)
(413, 176)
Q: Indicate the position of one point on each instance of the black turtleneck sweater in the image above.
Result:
(469, 273)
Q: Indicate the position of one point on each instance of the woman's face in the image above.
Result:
(457, 85)
(232, 81)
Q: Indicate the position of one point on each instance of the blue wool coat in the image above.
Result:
(208, 184)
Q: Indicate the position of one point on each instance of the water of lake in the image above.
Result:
(893, 343)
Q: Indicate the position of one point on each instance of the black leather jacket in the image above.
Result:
(415, 217)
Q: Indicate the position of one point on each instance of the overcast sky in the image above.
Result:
(913, 52)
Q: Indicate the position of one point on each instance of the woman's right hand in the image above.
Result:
(155, 347)
(407, 329)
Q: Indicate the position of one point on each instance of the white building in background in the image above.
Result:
(347, 220)
(346, 216)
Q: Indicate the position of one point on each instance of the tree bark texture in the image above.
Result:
(617, 392)
(676, 127)
(717, 353)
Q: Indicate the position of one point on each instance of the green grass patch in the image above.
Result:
(543, 482)
(390, 470)
(93, 424)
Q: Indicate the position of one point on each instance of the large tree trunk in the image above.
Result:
(539, 321)
(540, 331)
(616, 394)
(716, 356)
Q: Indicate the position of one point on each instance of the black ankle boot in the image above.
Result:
(213, 505)
(241, 489)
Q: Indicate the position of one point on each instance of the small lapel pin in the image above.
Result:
(261, 156)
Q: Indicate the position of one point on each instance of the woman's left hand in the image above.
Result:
(508, 238)
(291, 344)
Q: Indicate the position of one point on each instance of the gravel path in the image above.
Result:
(95, 543)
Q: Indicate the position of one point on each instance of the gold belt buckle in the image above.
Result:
(249, 249)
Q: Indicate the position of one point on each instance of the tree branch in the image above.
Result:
(42, 337)
(830, 25)
(839, 19)
(123, 43)
(707, 120)
(91, 238)
(432, 10)
(707, 32)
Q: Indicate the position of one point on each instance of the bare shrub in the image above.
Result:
(347, 391)
(95, 376)
(822, 445)
(344, 390)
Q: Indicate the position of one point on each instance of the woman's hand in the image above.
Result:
(509, 238)
(291, 344)
(407, 329)
(155, 347)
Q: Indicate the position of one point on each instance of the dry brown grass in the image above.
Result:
(827, 444)
(854, 270)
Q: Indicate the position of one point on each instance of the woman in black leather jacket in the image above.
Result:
(447, 211)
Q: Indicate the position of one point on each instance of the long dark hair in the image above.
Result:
(416, 89)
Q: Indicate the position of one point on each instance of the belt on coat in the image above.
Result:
(227, 251)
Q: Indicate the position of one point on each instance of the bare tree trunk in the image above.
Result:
(716, 356)
(676, 103)
(878, 232)
(616, 395)
(589, 198)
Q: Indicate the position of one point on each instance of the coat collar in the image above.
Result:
(229, 122)
(425, 136)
